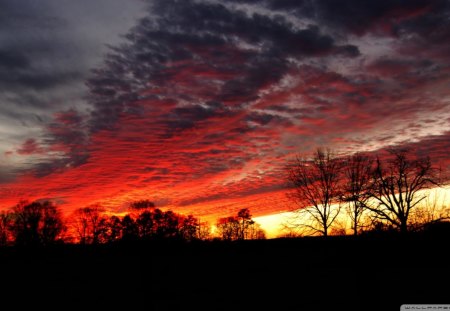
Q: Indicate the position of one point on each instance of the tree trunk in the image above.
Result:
(403, 227)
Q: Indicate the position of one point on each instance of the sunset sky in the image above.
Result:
(197, 105)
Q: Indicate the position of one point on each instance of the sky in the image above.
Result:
(198, 105)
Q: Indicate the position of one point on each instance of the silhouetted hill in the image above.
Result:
(337, 273)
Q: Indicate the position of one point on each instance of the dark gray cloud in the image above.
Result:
(47, 49)
(10, 60)
(30, 40)
(425, 22)
(359, 17)
(185, 117)
(252, 50)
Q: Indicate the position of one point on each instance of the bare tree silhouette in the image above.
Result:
(204, 230)
(89, 224)
(228, 228)
(111, 229)
(245, 220)
(190, 228)
(397, 187)
(130, 231)
(358, 170)
(315, 189)
(239, 227)
(169, 225)
(146, 224)
(255, 232)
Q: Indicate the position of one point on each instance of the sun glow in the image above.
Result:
(274, 224)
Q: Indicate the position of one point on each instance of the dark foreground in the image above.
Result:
(341, 273)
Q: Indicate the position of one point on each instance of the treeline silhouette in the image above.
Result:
(42, 223)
